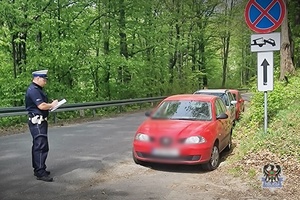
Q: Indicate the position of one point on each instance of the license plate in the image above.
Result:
(165, 152)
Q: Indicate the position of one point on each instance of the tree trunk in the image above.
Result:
(286, 63)
(226, 41)
(296, 33)
(123, 72)
(226, 38)
(19, 52)
(106, 33)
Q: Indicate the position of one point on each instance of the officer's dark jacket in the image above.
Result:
(35, 96)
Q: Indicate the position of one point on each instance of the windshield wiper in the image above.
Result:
(184, 118)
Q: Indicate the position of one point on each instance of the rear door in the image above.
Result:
(223, 124)
(232, 108)
(241, 103)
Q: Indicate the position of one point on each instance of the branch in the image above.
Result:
(97, 18)
(141, 50)
(43, 10)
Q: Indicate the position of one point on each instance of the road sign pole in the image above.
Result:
(265, 17)
(266, 111)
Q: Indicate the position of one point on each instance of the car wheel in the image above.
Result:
(214, 159)
(229, 146)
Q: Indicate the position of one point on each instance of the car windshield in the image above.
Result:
(183, 110)
(223, 96)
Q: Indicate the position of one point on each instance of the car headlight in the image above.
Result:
(195, 140)
(142, 137)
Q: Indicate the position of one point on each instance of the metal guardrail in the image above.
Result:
(18, 111)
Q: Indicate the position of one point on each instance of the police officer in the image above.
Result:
(38, 109)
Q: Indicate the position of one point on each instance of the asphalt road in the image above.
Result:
(93, 161)
(77, 153)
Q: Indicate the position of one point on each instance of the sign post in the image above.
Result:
(265, 16)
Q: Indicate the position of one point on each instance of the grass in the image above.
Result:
(280, 145)
(282, 139)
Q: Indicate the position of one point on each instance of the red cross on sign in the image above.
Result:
(264, 16)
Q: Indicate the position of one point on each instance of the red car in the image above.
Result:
(184, 129)
(240, 105)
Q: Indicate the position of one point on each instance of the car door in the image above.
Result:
(227, 124)
(222, 123)
(241, 102)
(232, 107)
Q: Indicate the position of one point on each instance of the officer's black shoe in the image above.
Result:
(47, 173)
(44, 178)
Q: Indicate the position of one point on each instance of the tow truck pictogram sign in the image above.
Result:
(265, 42)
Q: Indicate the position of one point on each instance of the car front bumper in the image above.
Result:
(186, 154)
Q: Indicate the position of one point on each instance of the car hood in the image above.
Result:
(173, 128)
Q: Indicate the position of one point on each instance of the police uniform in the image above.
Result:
(38, 126)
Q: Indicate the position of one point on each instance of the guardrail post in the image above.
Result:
(54, 118)
(81, 113)
(94, 112)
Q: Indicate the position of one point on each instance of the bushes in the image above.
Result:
(282, 97)
(283, 136)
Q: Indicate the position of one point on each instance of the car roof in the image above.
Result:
(202, 97)
(233, 90)
(212, 91)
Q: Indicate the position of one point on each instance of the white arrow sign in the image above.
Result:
(265, 42)
(265, 71)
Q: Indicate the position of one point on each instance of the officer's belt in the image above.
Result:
(38, 119)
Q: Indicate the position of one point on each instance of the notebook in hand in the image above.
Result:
(58, 105)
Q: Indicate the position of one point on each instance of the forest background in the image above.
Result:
(98, 50)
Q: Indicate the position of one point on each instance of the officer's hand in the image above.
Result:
(54, 103)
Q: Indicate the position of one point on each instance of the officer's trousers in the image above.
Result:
(40, 147)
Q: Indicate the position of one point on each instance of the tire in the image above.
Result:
(229, 146)
(214, 160)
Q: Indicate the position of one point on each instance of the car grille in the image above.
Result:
(165, 141)
(171, 158)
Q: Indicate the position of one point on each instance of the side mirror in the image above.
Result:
(233, 102)
(148, 113)
(222, 116)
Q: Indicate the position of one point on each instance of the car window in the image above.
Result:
(222, 106)
(223, 96)
(231, 97)
(183, 110)
(218, 108)
(234, 95)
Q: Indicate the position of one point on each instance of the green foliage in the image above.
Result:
(283, 137)
(282, 97)
(166, 48)
(95, 53)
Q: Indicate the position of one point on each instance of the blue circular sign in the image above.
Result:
(264, 16)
